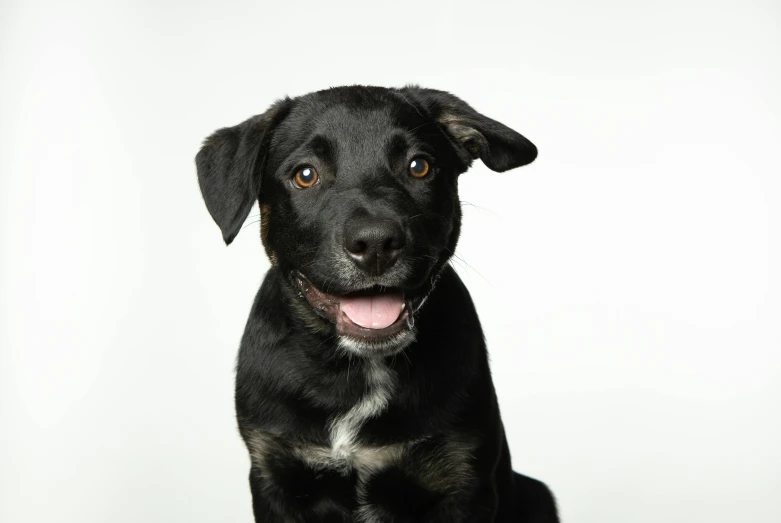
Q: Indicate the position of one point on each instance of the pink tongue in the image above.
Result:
(373, 312)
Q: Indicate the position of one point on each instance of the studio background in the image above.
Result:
(628, 281)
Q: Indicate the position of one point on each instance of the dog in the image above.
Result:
(363, 390)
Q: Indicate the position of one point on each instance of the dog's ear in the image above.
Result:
(499, 147)
(227, 167)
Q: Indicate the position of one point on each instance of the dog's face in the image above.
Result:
(358, 195)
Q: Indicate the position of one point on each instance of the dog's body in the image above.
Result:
(363, 390)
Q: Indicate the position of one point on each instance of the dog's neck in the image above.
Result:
(309, 367)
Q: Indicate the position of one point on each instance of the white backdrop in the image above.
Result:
(635, 331)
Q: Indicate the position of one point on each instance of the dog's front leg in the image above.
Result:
(478, 506)
(263, 507)
(301, 495)
(390, 497)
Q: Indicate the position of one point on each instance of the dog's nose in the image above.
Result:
(373, 244)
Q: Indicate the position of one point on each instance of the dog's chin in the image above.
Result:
(374, 322)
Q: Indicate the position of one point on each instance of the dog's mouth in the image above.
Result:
(369, 315)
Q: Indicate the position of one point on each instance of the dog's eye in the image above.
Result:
(418, 167)
(305, 177)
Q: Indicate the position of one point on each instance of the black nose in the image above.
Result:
(373, 244)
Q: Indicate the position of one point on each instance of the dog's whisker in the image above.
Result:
(250, 223)
(478, 207)
(410, 103)
(329, 338)
(406, 357)
(309, 264)
(422, 125)
(456, 257)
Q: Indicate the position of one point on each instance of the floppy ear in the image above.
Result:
(227, 165)
(499, 147)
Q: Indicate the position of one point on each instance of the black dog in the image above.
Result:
(363, 390)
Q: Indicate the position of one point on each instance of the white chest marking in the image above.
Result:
(344, 429)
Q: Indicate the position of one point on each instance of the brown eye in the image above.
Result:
(306, 177)
(418, 167)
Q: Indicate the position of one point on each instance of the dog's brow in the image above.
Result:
(323, 148)
(396, 148)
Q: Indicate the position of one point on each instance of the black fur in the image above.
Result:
(435, 450)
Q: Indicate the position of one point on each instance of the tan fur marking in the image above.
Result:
(363, 459)
(265, 215)
(448, 468)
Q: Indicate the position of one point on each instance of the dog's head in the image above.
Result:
(357, 189)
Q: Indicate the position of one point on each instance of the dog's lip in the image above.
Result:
(346, 327)
(328, 306)
(325, 305)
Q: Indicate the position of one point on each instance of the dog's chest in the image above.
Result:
(352, 475)
(366, 483)
(344, 428)
(344, 452)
